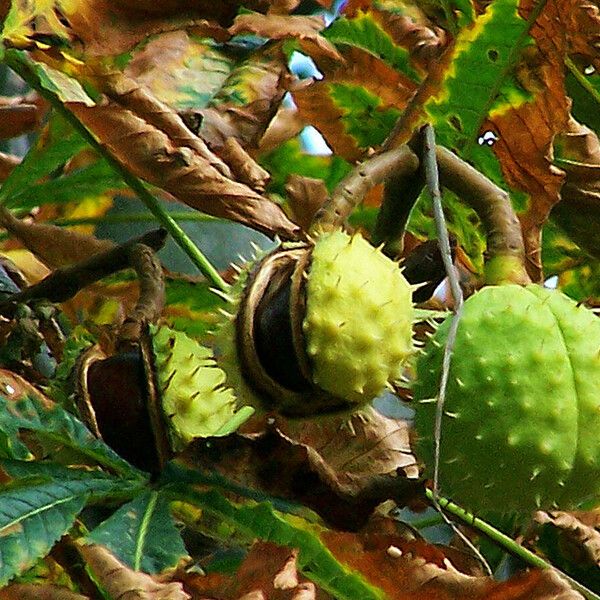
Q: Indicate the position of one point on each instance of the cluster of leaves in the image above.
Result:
(198, 101)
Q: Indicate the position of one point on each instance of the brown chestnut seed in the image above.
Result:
(118, 394)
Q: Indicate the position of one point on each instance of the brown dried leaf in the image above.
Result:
(527, 132)
(106, 27)
(356, 463)
(27, 591)
(269, 572)
(285, 125)
(151, 140)
(261, 81)
(406, 570)
(365, 443)
(7, 163)
(316, 107)
(278, 27)
(583, 31)
(121, 582)
(19, 115)
(579, 209)
(305, 197)
(54, 246)
(14, 388)
(581, 541)
(243, 166)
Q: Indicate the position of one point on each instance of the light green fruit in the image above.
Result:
(521, 424)
(349, 311)
(358, 322)
(194, 396)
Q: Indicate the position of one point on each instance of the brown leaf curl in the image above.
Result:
(121, 582)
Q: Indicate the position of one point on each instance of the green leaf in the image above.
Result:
(289, 158)
(584, 90)
(191, 306)
(51, 151)
(53, 425)
(363, 117)
(33, 516)
(261, 521)
(142, 534)
(88, 182)
(478, 81)
(365, 32)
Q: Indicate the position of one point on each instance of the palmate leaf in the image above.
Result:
(90, 181)
(367, 32)
(41, 506)
(55, 427)
(263, 522)
(51, 151)
(142, 534)
(477, 81)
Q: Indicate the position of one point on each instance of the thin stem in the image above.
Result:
(582, 80)
(505, 541)
(18, 61)
(433, 185)
(350, 192)
(133, 218)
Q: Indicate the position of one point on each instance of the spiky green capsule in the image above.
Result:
(358, 322)
(320, 327)
(192, 388)
(522, 411)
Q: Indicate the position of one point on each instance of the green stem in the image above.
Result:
(132, 218)
(582, 80)
(506, 542)
(19, 62)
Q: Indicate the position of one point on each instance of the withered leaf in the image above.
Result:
(317, 106)
(579, 209)
(151, 140)
(583, 30)
(269, 572)
(285, 125)
(305, 196)
(526, 132)
(340, 466)
(121, 582)
(54, 246)
(19, 115)
(277, 27)
(581, 542)
(28, 591)
(409, 570)
(248, 99)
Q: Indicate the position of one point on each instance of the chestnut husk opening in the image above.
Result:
(270, 340)
(118, 400)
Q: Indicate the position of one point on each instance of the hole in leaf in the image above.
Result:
(488, 138)
(455, 122)
(493, 55)
(589, 70)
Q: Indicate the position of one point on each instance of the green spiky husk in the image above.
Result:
(359, 314)
(522, 411)
(356, 329)
(194, 396)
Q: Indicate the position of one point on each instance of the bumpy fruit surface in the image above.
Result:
(192, 387)
(521, 420)
(327, 328)
(358, 322)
